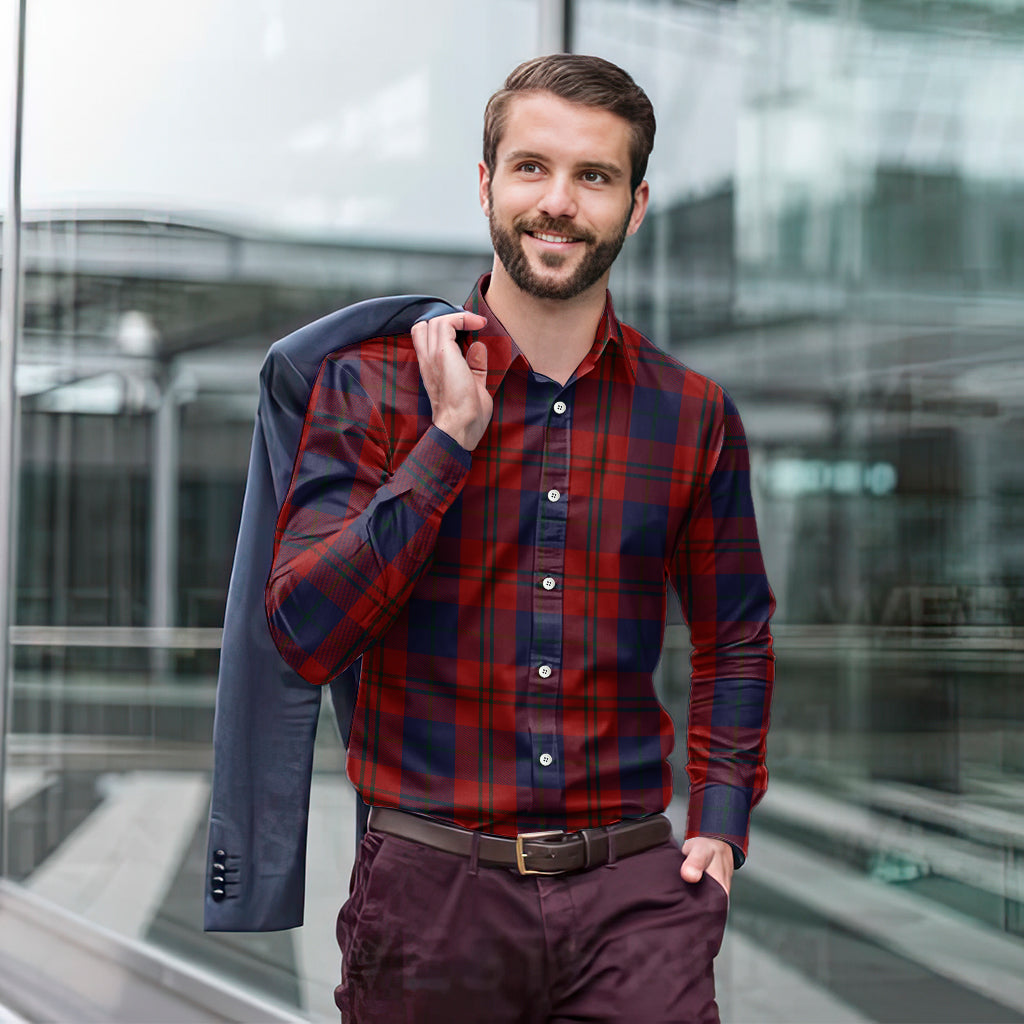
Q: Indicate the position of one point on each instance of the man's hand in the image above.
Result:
(711, 855)
(459, 400)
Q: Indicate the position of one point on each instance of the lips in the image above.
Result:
(546, 237)
(553, 232)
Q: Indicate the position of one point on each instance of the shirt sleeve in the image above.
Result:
(719, 575)
(354, 533)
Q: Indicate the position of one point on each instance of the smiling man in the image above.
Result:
(488, 511)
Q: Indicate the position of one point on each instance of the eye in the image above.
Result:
(594, 177)
(529, 167)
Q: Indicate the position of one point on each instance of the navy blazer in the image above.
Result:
(266, 715)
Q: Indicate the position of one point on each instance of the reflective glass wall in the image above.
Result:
(199, 180)
(8, 25)
(836, 236)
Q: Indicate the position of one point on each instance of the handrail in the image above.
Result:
(168, 637)
(54, 963)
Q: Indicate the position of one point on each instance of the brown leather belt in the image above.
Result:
(530, 853)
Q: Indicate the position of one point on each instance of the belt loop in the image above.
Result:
(611, 847)
(474, 853)
(585, 833)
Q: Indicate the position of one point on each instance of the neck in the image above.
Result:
(553, 334)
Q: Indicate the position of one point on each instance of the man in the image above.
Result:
(488, 510)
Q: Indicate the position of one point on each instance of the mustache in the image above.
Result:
(552, 226)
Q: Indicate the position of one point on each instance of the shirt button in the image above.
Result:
(548, 583)
(559, 407)
(545, 760)
(553, 495)
(544, 671)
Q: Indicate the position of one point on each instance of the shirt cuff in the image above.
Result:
(450, 445)
(433, 472)
(721, 812)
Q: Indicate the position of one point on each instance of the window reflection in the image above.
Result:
(836, 236)
(854, 282)
(199, 180)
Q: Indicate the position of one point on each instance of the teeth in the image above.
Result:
(551, 238)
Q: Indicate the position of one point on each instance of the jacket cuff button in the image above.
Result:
(218, 895)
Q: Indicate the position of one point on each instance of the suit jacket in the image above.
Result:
(266, 715)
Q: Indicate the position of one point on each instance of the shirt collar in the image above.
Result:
(502, 351)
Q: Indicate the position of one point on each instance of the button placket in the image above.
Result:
(549, 564)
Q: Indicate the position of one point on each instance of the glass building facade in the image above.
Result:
(836, 235)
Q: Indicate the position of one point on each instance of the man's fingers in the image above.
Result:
(463, 320)
(433, 337)
(419, 338)
(443, 328)
(476, 356)
(473, 321)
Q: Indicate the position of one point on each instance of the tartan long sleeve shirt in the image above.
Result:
(509, 604)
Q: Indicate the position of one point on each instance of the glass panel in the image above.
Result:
(327, 119)
(201, 178)
(8, 54)
(836, 236)
(8, 25)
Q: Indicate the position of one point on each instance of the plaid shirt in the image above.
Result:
(509, 603)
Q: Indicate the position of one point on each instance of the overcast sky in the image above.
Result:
(326, 116)
(340, 117)
(363, 119)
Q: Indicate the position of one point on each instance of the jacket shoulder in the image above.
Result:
(370, 318)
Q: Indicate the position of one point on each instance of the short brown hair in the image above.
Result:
(577, 78)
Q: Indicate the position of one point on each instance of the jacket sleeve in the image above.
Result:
(720, 577)
(263, 733)
(266, 715)
(353, 534)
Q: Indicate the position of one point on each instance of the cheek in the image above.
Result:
(515, 197)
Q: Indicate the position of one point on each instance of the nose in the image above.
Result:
(559, 198)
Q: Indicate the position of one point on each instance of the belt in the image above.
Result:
(530, 853)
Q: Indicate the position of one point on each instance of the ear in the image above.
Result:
(640, 199)
(485, 183)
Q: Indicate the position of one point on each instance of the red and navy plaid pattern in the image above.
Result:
(510, 604)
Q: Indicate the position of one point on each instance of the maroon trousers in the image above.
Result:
(430, 937)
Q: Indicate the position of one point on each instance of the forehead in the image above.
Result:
(542, 123)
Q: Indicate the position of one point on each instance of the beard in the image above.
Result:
(599, 255)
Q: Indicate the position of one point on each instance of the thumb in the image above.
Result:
(476, 356)
(694, 864)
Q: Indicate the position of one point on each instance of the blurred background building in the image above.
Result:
(836, 236)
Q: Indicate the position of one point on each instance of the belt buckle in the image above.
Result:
(521, 857)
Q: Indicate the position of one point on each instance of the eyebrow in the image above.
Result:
(613, 171)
